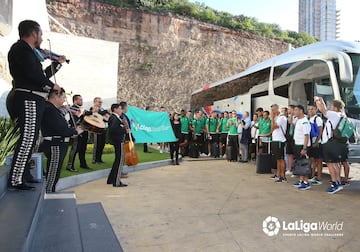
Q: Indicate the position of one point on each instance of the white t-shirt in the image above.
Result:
(302, 128)
(334, 118)
(254, 131)
(319, 123)
(278, 134)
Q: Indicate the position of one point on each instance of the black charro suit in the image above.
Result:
(117, 134)
(31, 87)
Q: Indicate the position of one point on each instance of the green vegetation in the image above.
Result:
(9, 135)
(204, 13)
(108, 158)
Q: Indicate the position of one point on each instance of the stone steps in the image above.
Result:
(19, 212)
(32, 221)
(96, 231)
(58, 228)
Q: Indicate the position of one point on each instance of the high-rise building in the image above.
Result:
(318, 18)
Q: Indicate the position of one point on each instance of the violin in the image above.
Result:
(131, 157)
(46, 54)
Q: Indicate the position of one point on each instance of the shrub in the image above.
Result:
(9, 135)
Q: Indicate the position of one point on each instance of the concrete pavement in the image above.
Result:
(213, 205)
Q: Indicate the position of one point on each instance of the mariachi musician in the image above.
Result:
(79, 143)
(124, 107)
(56, 132)
(117, 132)
(31, 87)
(99, 138)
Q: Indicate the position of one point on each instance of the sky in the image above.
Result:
(285, 13)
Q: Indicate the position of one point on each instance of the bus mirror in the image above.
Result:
(345, 67)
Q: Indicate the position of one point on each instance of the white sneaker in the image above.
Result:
(203, 155)
(224, 156)
(288, 173)
(179, 156)
(209, 155)
(294, 176)
(161, 151)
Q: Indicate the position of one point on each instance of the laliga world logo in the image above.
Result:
(134, 124)
(271, 226)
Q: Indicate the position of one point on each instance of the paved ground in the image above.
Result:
(214, 205)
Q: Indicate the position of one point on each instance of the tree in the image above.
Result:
(249, 24)
(204, 13)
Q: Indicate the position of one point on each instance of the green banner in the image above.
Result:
(150, 126)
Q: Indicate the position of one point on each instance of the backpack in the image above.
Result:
(315, 130)
(344, 130)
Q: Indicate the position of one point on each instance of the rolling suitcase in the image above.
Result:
(215, 152)
(193, 150)
(231, 153)
(264, 162)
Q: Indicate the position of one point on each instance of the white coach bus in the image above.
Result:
(328, 69)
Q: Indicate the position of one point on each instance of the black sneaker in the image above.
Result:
(274, 177)
(281, 180)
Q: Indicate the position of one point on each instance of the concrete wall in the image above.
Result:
(93, 68)
(163, 57)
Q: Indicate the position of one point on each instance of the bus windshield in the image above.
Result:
(350, 92)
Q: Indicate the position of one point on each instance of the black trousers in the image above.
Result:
(200, 140)
(117, 167)
(55, 152)
(174, 149)
(29, 110)
(145, 147)
(79, 144)
(99, 144)
(234, 142)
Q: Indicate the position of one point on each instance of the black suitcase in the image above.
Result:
(231, 153)
(193, 150)
(264, 162)
(215, 152)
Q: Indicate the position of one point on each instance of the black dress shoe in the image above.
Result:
(121, 185)
(72, 169)
(22, 187)
(33, 181)
(85, 167)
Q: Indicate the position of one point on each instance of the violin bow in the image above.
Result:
(54, 75)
